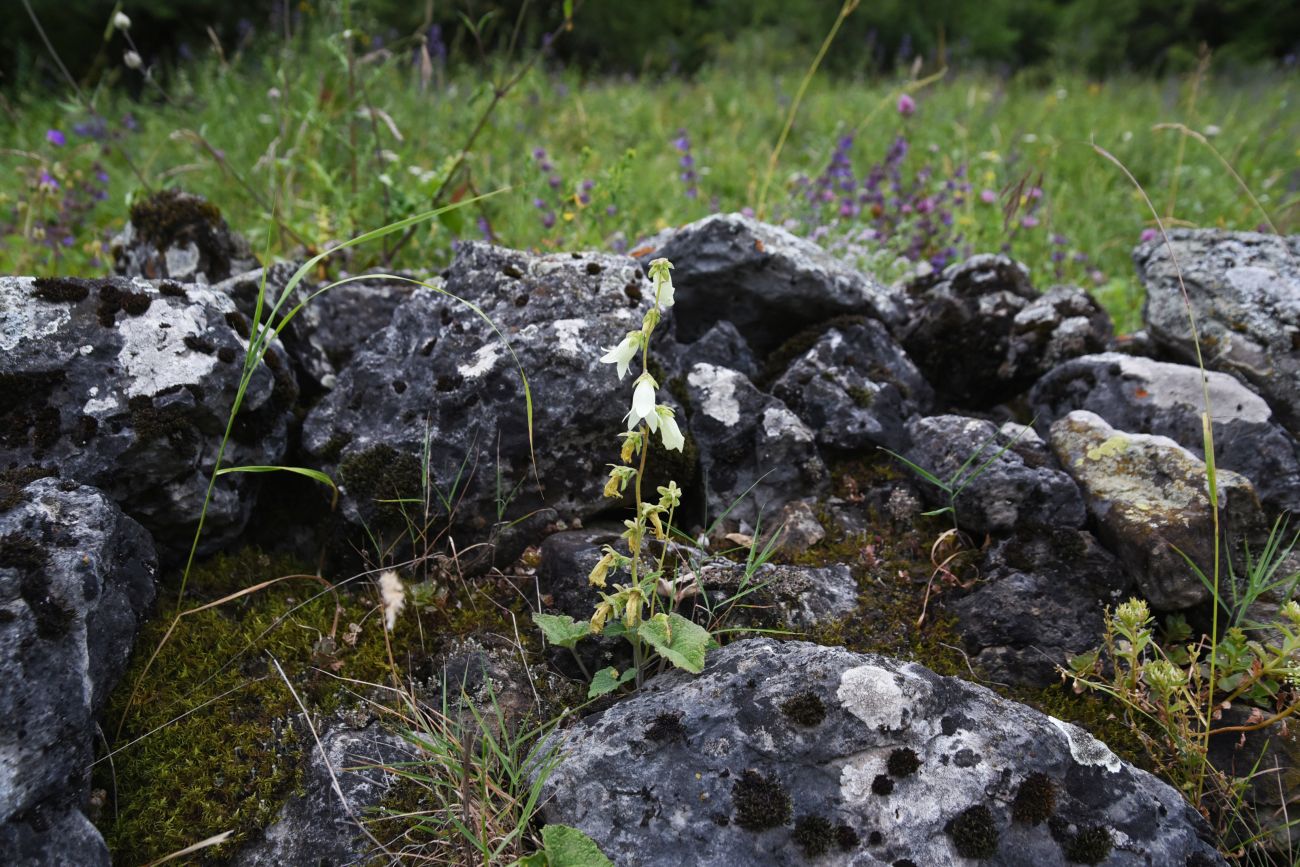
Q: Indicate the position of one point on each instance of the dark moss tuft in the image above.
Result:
(902, 762)
(172, 290)
(155, 423)
(13, 481)
(904, 862)
(135, 303)
(846, 838)
(806, 709)
(239, 322)
(85, 429)
(68, 289)
(200, 344)
(813, 835)
(974, 833)
(882, 785)
(334, 447)
(226, 354)
(378, 476)
(761, 802)
(1090, 846)
(171, 216)
(862, 397)
(796, 346)
(1035, 800)
(666, 727)
(22, 553)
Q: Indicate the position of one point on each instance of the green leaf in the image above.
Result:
(568, 847)
(607, 680)
(316, 475)
(678, 640)
(561, 629)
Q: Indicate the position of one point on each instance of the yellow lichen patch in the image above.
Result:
(1112, 447)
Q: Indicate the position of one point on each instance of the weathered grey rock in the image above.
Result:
(722, 346)
(127, 386)
(1244, 290)
(750, 444)
(796, 529)
(1022, 486)
(768, 282)
(1267, 760)
(332, 325)
(1139, 395)
(440, 377)
(76, 578)
(1149, 496)
(315, 827)
(1063, 323)
(856, 388)
(173, 235)
(1039, 602)
(960, 334)
(778, 744)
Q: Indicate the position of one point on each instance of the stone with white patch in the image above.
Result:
(141, 415)
(658, 804)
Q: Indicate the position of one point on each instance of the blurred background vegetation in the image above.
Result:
(1095, 37)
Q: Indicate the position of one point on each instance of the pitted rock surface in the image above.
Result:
(1139, 395)
(769, 283)
(76, 579)
(856, 388)
(1012, 482)
(440, 378)
(1150, 500)
(756, 455)
(1244, 290)
(127, 386)
(720, 769)
(1041, 599)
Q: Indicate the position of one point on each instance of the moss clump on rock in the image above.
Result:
(974, 833)
(1035, 800)
(902, 762)
(1090, 846)
(62, 289)
(761, 802)
(813, 835)
(806, 709)
(13, 481)
(882, 785)
(378, 477)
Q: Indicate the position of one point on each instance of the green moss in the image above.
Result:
(1035, 800)
(761, 802)
(903, 762)
(377, 478)
(22, 553)
(171, 422)
(813, 835)
(862, 397)
(216, 748)
(846, 837)
(171, 216)
(806, 709)
(796, 346)
(666, 727)
(1090, 846)
(974, 833)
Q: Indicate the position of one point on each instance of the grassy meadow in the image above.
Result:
(312, 143)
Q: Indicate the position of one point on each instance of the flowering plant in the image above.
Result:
(631, 610)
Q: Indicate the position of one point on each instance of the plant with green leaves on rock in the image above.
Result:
(634, 610)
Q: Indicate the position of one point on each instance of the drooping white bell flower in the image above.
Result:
(668, 429)
(121, 22)
(132, 60)
(643, 403)
(623, 354)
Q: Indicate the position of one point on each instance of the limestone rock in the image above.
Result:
(1244, 289)
(76, 579)
(780, 752)
(127, 386)
(1149, 499)
(1139, 395)
(174, 235)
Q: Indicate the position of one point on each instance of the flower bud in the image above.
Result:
(132, 60)
(121, 22)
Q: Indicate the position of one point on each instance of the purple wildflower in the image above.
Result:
(55, 137)
(988, 197)
(906, 105)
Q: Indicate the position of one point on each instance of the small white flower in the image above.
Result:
(132, 60)
(668, 429)
(1212, 130)
(659, 269)
(393, 596)
(623, 354)
(121, 22)
(643, 403)
(273, 94)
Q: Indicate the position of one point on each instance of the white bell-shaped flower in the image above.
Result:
(668, 429)
(623, 354)
(643, 403)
